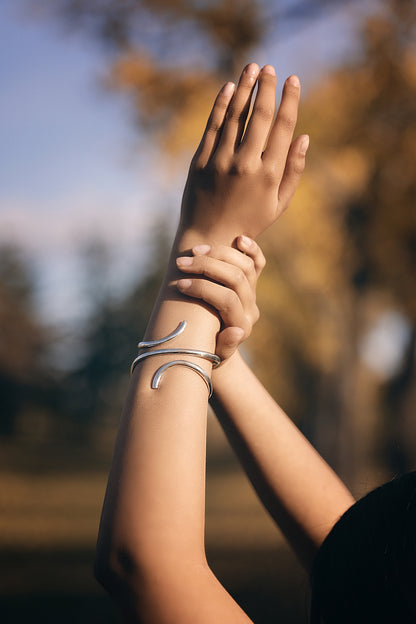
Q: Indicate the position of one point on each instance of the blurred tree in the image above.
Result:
(22, 340)
(172, 55)
(345, 256)
(96, 387)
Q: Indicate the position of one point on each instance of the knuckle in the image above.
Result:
(202, 263)
(261, 262)
(194, 289)
(264, 112)
(242, 168)
(238, 277)
(249, 265)
(270, 177)
(202, 286)
(255, 314)
(230, 299)
(247, 327)
(288, 122)
(219, 166)
(214, 126)
(198, 265)
(235, 114)
(260, 259)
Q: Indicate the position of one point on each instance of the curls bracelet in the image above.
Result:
(216, 361)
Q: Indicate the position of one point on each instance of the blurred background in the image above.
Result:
(103, 103)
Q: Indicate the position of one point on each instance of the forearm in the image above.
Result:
(150, 551)
(154, 506)
(152, 527)
(299, 489)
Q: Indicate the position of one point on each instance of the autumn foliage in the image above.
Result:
(341, 261)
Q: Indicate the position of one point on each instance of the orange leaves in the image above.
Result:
(344, 254)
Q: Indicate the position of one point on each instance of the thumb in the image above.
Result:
(228, 341)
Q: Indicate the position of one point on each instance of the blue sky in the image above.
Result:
(72, 165)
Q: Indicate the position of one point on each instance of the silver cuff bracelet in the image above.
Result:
(216, 361)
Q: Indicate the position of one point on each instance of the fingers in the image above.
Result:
(237, 111)
(249, 247)
(228, 285)
(295, 165)
(234, 271)
(261, 119)
(224, 131)
(228, 340)
(214, 125)
(236, 323)
(281, 134)
(224, 273)
(251, 261)
(223, 299)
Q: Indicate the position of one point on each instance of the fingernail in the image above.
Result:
(252, 69)
(246, 241)
(294, 81)
(304, 144)
(269, 69)
(184, 261)
(200, 250)
(184, 284)
(228, 88)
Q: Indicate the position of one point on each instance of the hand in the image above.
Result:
(228, 285)
(241, 180)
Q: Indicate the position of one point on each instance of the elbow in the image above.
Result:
(115, 569)
(144, 587)
(127, 567)
(124, 571)
(113, 572)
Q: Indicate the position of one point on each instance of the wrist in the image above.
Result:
(222, 374)
(187, 237)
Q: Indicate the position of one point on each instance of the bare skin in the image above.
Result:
(232, 174)
(150, 551)
(301, 492)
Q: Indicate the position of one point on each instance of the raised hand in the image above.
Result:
(227, 283)
(244, 173)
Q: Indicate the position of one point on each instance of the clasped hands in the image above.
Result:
(241, 179)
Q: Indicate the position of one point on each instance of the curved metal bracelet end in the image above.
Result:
(154, 343)
(214, 359)
(197, 369)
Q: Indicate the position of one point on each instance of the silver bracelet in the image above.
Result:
(216, 361)
(159, 373)
(155, 343)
